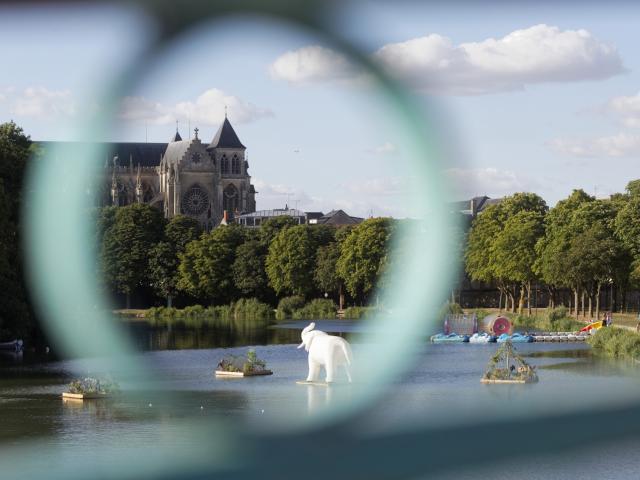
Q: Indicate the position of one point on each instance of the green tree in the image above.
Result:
(363, 256)
(514, 251)
(249, 270)
(325, 273)
(291, 260)
(205, 269)
(126, 246)
(163, 257)
(181, 230)
(552, 263)
(273, 226)
(488, 261)
(15, 149)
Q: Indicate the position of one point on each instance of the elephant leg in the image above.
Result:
(329, 367)
(348, 372)
(314, 371)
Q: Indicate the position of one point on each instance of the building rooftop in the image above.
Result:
(145, 154)
(276, 212)
(226, 137)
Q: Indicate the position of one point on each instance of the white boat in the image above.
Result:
(482, 338)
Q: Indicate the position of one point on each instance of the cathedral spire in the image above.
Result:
(114, 184)
(138, 185)
(176, 137)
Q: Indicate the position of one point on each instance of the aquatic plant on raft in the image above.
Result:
(507, 364)
(91, 385)
(245, 364)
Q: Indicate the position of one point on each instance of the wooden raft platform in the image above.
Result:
(223, 373)
(84, 396)
(315, 384)
(506, 382)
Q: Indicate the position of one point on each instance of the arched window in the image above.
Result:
(224, 164)
(147, 193)
(231, 198)
(235, 165)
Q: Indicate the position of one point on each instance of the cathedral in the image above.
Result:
(207, 181)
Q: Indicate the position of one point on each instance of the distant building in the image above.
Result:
(313, 217)
(473, 207)
(338, 218)
(189, 177)
(255, 219)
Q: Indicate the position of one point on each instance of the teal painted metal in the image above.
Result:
(333, 445)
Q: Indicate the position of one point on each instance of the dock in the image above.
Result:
(559, 337)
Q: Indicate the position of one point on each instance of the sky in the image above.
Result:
(537, 97)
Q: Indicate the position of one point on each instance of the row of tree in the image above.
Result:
(139, 249)
(580, 245)
(16, 317)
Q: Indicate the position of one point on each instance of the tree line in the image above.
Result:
(139, 249)
(581, 245)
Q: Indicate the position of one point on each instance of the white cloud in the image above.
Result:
(619, 145)
(207, 109)
(276, 195)
(40, 102)
(538, 54)
(379, 186)
(490, 181)
(387, 148)
(312, 64)
(627, 108)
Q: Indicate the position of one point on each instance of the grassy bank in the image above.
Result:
(241, 314)
(555, 320)
(323, 308)
(616, 343)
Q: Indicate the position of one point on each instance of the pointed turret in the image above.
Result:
(226, 137)
(114, 185)
(138, 186)
(176, 137)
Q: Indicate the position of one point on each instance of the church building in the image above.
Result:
(206, 181)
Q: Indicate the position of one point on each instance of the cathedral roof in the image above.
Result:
(176, 137)
(146, 154)
(226, 137)
(176, 150)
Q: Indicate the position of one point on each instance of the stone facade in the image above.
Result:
(189, 178)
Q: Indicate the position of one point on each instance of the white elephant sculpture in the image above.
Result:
(328, 351)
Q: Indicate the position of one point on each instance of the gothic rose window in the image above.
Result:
(195, 158)
(195, 201)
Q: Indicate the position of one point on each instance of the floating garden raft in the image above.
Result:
(239, 366)
(91, 388)
(507, 367)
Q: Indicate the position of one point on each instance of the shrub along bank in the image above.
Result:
(251, 312)
(555, 320)
(616, 343)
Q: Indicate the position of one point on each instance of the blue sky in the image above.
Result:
(537, 98)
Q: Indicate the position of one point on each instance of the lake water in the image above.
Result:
(442, 387)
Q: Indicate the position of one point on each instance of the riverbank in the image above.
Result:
(250, 310)
(556, 319)
(618, 343)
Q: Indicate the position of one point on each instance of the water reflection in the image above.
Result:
(184, 335)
